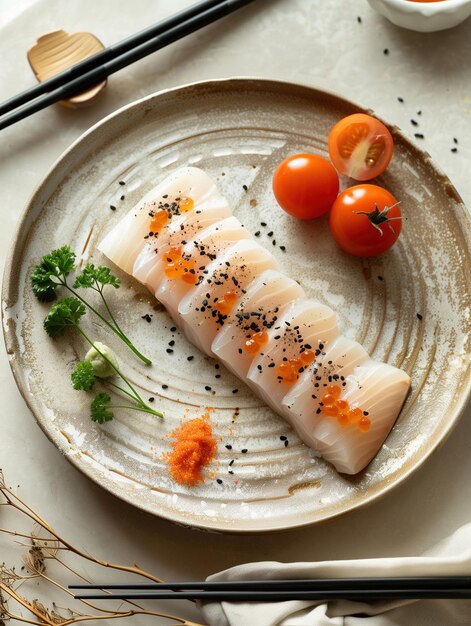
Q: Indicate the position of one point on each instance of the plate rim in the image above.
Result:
(10, 292)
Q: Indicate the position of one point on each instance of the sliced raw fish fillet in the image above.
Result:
(206, 247)
(214, 278)
(302, 331)
(257, 311)
(125, 241)
(201, 311)
(301, 405)
(379, 391)
(181, 228)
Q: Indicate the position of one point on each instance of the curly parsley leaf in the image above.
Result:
(97, 277)
(65, 313)
(99, 408)
(83, 377)
(51, 272)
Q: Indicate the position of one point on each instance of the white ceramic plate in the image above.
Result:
(238, 130)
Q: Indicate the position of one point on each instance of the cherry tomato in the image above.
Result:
(365, 220)
(360, 146)
(305, 185)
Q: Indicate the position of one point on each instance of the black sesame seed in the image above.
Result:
(283, 248)
(244, 451)
(274, 242)
(359, 19)
(121, 182)
(286, 443)
(235, 391)
(244, 187)
(231, 463)
(147, 317)
(419, 135)
(219, 481)
(207, 387)
(228, 446)
(318, 411)
(400, 99)
(112, 207)
(231, 472)
(190, 358)
(455, 140)
(365, 413)
(414, 123)
(283, 437)
(122, 197)
(164, 386)
(263, 223)
(169, 351)
(419, 112)
(386, 51)
(217, 376)
(270, 234)
(419, 316)
(454, 149)
(257, 234)
(171, 342)
(173, 329)
(151, 399)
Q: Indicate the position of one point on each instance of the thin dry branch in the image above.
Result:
(42, 549)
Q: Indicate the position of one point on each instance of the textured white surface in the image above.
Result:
(303, 40)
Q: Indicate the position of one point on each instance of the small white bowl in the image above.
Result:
(425, 17)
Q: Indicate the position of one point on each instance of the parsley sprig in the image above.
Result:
(66, 313)
(53, 271)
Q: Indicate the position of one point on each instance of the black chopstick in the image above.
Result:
(105, 55)
(316, 584)
(428, 587)
(283, 596)
(102, 71)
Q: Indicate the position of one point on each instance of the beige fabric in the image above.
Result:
(450, 557)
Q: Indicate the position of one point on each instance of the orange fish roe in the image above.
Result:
(177, 266)
(158, 221)
(194, 447)
(225, 304)
(288, 371)
(307, 357)
(256, 342)
(186, 204)
(332, 406)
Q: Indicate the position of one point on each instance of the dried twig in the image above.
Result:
(43, 549)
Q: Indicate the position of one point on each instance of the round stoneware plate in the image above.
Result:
(409, 307)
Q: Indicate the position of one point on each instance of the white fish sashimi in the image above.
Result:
(231, 272)
(306, 325)
(125, 241)
(301, 405)
(206, 247)
(222, 288)
(257, 311)
(379, 390)
(181, 228)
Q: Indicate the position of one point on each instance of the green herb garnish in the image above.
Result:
(53, 271)
(66, 313)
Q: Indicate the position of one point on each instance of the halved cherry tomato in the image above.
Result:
(360, 146)
(365, 220)
(305, 185)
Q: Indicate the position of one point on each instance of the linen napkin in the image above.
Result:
(451, 557)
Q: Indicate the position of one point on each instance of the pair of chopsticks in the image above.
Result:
(96, 68)
(322, 589)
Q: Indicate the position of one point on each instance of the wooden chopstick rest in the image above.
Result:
(54, 52)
